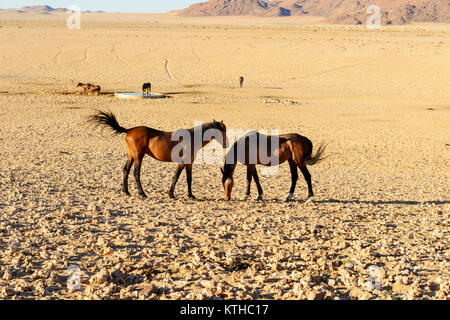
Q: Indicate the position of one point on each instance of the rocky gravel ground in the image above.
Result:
(377, 227)
(369, 233)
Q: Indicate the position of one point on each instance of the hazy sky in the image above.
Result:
(153, 6)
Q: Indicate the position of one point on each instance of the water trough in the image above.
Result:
(137, 95)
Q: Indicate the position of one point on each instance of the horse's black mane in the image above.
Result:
(210, 125)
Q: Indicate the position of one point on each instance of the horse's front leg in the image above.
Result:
(189, 180)
(178, 171)
(250, 169)
(258, 185)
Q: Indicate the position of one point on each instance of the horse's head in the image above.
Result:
(79, 84)
(227, 180)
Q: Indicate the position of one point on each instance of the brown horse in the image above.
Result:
(146, 88)
(294, 148)
(241, 81)
(95, 89)
(160, 146)
(85, 86)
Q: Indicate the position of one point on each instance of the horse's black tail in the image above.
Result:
(318, 156)
(107, 119)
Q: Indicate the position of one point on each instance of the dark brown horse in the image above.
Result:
(146, 88)
(85, 86)
(95, 89)
(294, 148)
(160, 146)
(241, 81)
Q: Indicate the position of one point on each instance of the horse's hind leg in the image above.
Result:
(137, 176)
(258, 185)
(294, 178)
(189, 180)
(250, 169)
(307, 176)
(126, 172)
(178, 171)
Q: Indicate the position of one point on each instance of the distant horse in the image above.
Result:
(146, 88)
(159, 145)
(95, 89)
(294, 148)
(241, 81)
(85, 86)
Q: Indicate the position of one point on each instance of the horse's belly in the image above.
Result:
(160, 150)
(161, 156)
(278, 157)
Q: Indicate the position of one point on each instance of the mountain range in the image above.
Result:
(336, 11)
(41, 9)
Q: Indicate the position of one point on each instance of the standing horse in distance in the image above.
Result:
(85, 86)
(294, 148)
(241, 82)
(95, 89)
(146, 88)
(88, 87)
(158, 145)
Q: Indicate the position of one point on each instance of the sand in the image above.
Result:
(381, 206)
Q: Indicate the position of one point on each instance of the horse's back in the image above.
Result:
(301, 146)
(258, 148)
(142, 135)
(144, 131)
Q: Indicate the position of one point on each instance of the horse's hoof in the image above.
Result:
(259, 198)
(289, 197)
(191, 196)
(125, 192)
(143, 196)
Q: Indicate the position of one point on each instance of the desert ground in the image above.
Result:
(377, 227)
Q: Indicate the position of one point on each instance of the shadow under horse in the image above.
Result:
(160, 146)
(252, 147)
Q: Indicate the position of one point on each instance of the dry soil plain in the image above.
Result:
(381, 98)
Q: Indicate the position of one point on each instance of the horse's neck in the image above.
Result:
(204, 129)
(204, 143)
(198, 147)
(229, 167)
